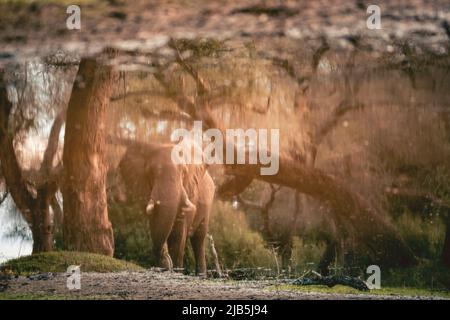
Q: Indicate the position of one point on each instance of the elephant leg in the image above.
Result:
(198, 245)
(165, 259)
(161, 223)
(187, 206)
(177, 242)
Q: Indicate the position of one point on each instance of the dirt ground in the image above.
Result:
(164, 285)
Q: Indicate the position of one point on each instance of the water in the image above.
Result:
(12, 246)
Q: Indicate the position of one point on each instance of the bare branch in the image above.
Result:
(249, 204)
(135, 94)
(201, 86)
(166, 115)
(52, 145)
(202, 113)
(183, 103)
(57, 211)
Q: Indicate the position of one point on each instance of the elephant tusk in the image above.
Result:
(150, 207)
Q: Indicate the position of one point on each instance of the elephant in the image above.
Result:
(177, 198)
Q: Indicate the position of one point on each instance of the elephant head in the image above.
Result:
(174, 198)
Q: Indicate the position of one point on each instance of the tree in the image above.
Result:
(34, 207)
(356, 218)
(86, 224)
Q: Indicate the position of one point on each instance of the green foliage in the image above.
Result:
(425, 236)
(237, 245)
(306, 255)
(131, 234)
(430, 274)
(59, 261)
(439, 182)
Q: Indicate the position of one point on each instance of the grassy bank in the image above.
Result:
(59, 261)
(388, 291)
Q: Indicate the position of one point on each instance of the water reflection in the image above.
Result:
(378, 122)
(15, 236)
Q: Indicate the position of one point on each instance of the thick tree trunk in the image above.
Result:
(42, 226)
(86, 224)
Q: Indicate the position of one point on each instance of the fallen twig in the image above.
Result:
(331, 281)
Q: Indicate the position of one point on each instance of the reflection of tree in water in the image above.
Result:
(344, 153)
(14, 228)
(347, 88)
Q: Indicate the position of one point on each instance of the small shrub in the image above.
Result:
(424, 235)
(131, 234)
(306, 255)
(237, 245)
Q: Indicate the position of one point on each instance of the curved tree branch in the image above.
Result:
(233, 186)
(53, 143)
(362, 222)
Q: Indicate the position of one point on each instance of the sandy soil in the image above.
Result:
(164, 285)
